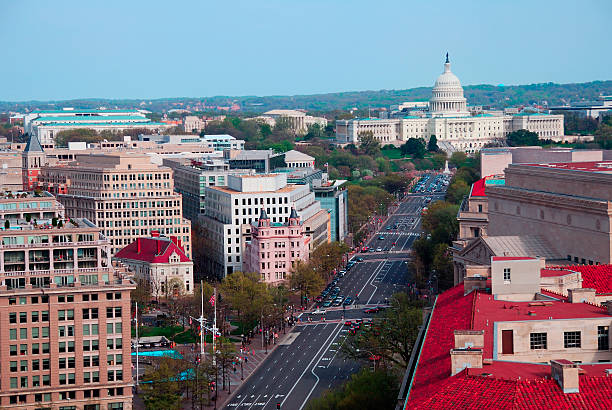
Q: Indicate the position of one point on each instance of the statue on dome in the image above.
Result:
(447, 58)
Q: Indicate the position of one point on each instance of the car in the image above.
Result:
(327, 303)
(319, 312)
(342, 271)
(372, 310)
(337, 303)
(381, 238)
(372, 250)
(359, 259)
(388, 228)
(378, 249)
(347, 301)
(348, 323)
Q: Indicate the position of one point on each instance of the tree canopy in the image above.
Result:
(414, 147)
(432, 144)
(520, 138)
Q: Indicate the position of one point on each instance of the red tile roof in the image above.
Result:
(477, 392)
(452, 311)
(487, 311)
(434, 388)
(550, 273)
(598, 277)
(152, 250)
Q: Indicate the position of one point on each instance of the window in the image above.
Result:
(538, 341)
(603, 337)
(13, 334)
(506, 274)
(571, 339)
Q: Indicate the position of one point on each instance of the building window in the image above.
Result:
(538, 341)
(571, 339)
(506, 274)
(603, 337)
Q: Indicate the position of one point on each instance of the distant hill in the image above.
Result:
(489, 95)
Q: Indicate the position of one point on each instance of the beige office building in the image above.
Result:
(125, 194)
(64, 312)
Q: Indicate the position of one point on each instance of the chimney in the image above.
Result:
(138, 245)
(158, 246)
(566, 374)
(465, 358)
(581, 295)
(155, 234)
(173, 239)
(465, 339)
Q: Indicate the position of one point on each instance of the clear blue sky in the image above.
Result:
(151, 49)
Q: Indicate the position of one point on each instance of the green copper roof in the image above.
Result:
(90, 118)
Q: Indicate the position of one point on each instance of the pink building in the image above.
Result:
(275, 247)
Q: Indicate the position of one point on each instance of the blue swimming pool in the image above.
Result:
(159, 353)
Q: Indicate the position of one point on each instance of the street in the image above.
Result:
(309, 361)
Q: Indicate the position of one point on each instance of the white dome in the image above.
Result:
(447, 98)
(447, 79)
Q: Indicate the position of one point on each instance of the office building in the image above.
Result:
(231, 210)
(64, 312)
(192, 176)
(262, 161)
(333, 197)
(449, 119)
(125, 194)
(46, 124)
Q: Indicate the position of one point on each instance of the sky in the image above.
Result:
(55, 50)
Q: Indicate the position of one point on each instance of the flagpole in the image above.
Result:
(137, 343)
(214, 331)
(202, 352)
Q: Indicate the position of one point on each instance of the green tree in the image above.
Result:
(392, 337)
(458, 159)
(443, 265)
(521, 138)
(456, 191)
(432, 144)
(368, 144)
(365, 390)
(246, 295)
(314, 132)
(440, 221)
(306, 280)
(603, 134)
(161, 387)
(414, 147)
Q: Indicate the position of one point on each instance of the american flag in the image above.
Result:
(212, 300)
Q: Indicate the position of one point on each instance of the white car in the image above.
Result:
(378, 249)
(319, 312)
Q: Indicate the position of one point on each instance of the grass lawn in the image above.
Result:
(395, 153)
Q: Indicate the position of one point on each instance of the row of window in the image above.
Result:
(260, 201)
(71, 395)
(539, 341)
(62, 298)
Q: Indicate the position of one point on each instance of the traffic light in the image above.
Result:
(278, 406)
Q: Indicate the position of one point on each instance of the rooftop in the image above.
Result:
(600, 167)
(86, 110)
(498, 384)
(153, 250)
(598, 277)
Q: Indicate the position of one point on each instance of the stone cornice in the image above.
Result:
(570, 175)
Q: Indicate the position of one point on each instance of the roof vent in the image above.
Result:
(608, 372)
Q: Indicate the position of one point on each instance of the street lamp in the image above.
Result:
(371, 355)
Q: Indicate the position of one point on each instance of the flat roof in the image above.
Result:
(602, 167)
(85, 118)
(85, 110)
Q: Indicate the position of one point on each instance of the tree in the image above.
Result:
(458, 159)
(246, 295)
(457, 191)
(365, 390)
(440, 221)
(314, 132)
(368, 144)
(414, 147)
(521, 138)
(392, 337)
(443, 265)
(306, 280)
(432, 144)
(142, 293)
(161, 387)
(603, 134)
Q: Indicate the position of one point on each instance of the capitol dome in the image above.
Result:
(447, 98)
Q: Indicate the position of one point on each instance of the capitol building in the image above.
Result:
(448, 118)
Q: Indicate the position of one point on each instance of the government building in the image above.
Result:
(448, 118)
